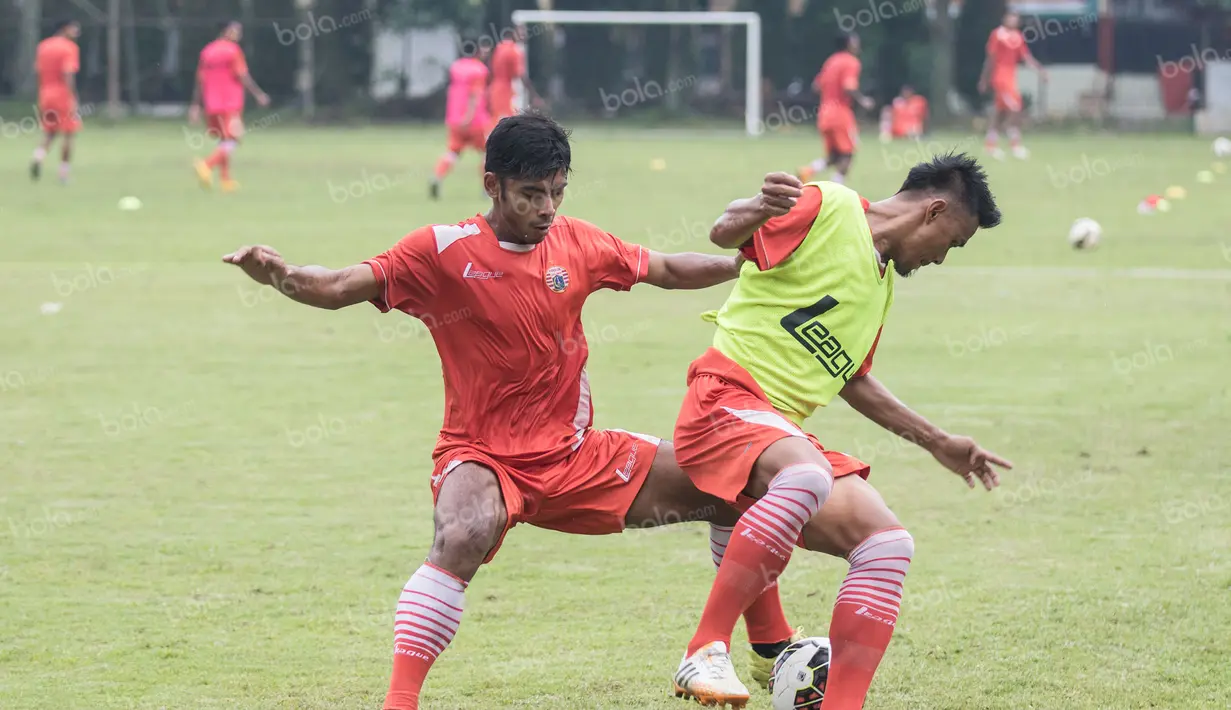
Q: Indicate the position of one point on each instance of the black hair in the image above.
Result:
(842, 41)
(63, 24)
(224, 26)
(528, 146)
(961, 176)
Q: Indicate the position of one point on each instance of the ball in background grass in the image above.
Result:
(1205, 177)
(1222, 147)
(658, 164)
(130, 203)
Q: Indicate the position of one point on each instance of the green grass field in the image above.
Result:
(211, 497)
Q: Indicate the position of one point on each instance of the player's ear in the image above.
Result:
(935, 208)
(491, 185)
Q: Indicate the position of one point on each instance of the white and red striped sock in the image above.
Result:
(428, 615)
(760, 547)
(794, 496)
(864, 615)
(765, 617)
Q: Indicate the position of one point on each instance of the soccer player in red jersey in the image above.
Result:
(838, 85)
(466, 113)
(1006, 47)
(799, 328)
(502, 295)
(222, 76)
(905, 117)
(56, 62)
(508, 66)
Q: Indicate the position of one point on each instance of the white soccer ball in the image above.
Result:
(128, 204)
(1222, 147)
(1085, 233)
(800, 675)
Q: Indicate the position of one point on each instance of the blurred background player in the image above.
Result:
(222, 76)
(56, 63)
(905, 117)
(1006, 46)
(508, 70)
(466, 113)
(838, 84)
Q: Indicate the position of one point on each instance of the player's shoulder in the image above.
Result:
(436, 239)
(575, 228)
(837, 198)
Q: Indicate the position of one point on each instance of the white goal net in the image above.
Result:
(667, 66)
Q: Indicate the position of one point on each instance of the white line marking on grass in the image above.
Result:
(1153, 274)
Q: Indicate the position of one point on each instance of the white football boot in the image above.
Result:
(1020, 152)
(708, 677)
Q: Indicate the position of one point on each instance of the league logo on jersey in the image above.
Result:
(556, 278)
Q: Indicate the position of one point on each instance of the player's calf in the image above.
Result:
(470, 519)
(857, 525)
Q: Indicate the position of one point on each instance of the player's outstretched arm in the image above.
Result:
(691, 271)
(311, 285)
(743, 218)
(959, 454)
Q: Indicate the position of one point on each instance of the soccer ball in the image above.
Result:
(800, 674)
(1085, 233)
(1222, 147)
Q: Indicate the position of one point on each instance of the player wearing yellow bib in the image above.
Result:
(799, 328)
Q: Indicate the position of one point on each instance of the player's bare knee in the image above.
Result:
(469, 519)
(786, 453)
(466, 533)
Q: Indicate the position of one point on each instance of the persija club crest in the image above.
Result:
(556, 278)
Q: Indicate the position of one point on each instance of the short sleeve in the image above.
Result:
(519, 62)
(72, 60)
(240, 65)
(866, 367)
(850, 81)
(992, 45)
(781, 236)
(613, 262)
(407, 274)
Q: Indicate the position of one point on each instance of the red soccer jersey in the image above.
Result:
(55, 57)
(508, 62)
(221, 65)
(1006, 48)
(838, 76)
(778, 238)
(506, 320)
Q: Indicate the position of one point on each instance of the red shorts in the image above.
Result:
(59, 115)
(1008, 98)
(587, 493)
(725, 424)
(225, 126)
(474, 136)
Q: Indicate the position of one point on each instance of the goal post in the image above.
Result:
(749, 20)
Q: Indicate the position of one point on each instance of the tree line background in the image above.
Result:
(909, 41)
